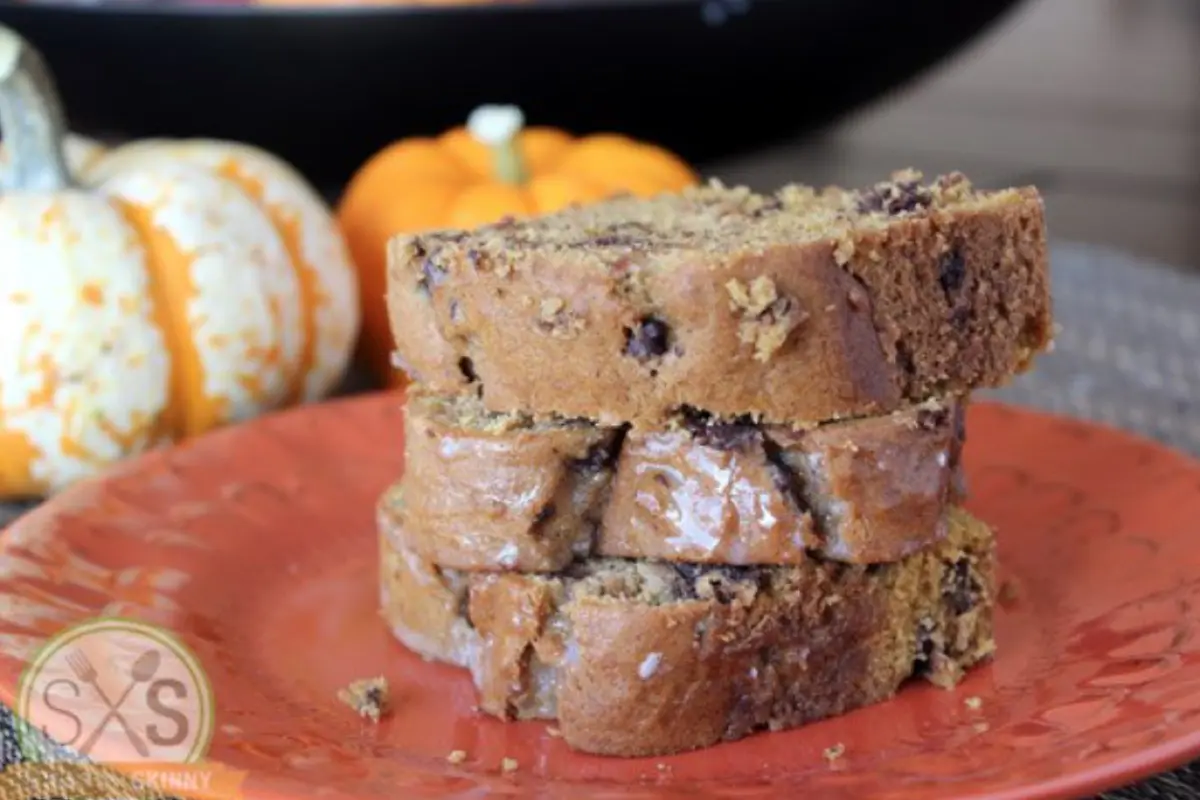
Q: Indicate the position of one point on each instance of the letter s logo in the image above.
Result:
(155, 702)
(47, 695)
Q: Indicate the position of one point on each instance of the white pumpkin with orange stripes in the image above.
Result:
(151, 292)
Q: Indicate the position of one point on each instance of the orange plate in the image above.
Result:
(256, 544)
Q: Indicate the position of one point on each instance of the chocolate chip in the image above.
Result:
(432, 273)
(959, 587)
(768, 206)
(429, 275)
(787, 480)
(721, 583)
(778, 311)
(904, 359)
(375, 697)
(544, 514)
(613, 240)
(925, 649)
(729, 435)
(952, 272)
(689, 572)
(894, 199)
(931, 419)
(601, 455)
(720, 434)
(721, 591)
(467, 367)
(649, 339)
(694, 420)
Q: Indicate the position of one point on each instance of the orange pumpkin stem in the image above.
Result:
(497, 128)
(32, 119)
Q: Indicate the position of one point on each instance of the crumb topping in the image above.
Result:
(767, 318)
(705, 219)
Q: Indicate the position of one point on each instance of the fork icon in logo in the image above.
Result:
(142, 671)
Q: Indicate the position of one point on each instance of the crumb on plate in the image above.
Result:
(457, 756)
(834, 753)
(1008, 593)
(368, 697)
(509, 765)
(973, 703)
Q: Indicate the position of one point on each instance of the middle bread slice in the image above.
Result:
(488, 491)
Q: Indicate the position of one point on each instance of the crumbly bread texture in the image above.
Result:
(637, 658)
(504, 492)
(796, 307)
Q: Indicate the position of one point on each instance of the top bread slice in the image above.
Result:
(798, 307)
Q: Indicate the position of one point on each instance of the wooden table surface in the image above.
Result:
(1097, 102)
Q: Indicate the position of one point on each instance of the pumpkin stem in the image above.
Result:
(497, 128)
(31, 119)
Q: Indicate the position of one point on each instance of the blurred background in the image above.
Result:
(1096, 101)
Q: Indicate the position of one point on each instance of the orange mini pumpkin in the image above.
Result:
(473, 175)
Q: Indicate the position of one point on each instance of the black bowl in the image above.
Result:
(326, 87)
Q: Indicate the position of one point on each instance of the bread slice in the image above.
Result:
(796, 307)
(637, 658)
(488, 491)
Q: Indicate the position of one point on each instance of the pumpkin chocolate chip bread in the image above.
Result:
(491, 491)
(637, 658)
(798, 307)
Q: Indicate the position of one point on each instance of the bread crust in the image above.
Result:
(637, 658)
(496, 492)
(794, 307)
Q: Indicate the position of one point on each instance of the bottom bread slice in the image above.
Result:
(638, 658)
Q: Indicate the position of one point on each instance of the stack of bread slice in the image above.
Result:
(683, 469)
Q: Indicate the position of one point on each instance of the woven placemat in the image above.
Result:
(1127, 355)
